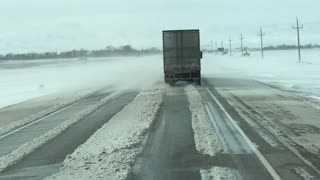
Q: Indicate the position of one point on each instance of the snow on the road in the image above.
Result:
(29, 147)
(303, 173)
(110, 152)
(218, 173)
(289, 118)
(24, 80)
(205, 136)
(61, 102)
(279, 68)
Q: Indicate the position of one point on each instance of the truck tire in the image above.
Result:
(199, 82)
(171, 83)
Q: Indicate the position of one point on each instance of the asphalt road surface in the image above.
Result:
(170, 151)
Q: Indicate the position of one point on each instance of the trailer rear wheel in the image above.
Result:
(171, 83)
(199, 82)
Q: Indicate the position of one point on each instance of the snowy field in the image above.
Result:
(24, 80)
(278, 68)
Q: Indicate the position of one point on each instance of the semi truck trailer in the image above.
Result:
(181, 56)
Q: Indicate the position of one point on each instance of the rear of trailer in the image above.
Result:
(181, 56)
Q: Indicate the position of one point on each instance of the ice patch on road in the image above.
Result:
(110, 152)
(217, 173)
(205, 136)
(29, 147)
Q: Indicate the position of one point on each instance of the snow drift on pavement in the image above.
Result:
(110, 152)
(205, 136)
(217, 173)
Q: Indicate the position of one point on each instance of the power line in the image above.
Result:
(261, 34)
(298, 34)
(216, 47)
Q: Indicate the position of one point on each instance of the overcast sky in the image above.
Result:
(47, 25)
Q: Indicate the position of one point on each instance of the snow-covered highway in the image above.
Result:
(180, 132)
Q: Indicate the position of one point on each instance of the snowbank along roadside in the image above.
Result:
(29, 147)
(110, 152)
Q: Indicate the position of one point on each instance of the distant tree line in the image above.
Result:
(126, 50)
(288, 47)
(283, 47)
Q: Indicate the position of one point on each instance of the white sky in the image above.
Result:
(47, 25)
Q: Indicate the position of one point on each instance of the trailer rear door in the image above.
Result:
(181, 50)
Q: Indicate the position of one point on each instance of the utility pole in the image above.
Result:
(216, 47)
(230, 41)
(211, 46)
(261, 34)
(241, 38)
(298, 27)
(57, 52)
(221, 44)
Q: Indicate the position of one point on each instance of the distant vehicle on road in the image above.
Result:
(246, 53)
(83, 58)
(181, 56)
(223, 51)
